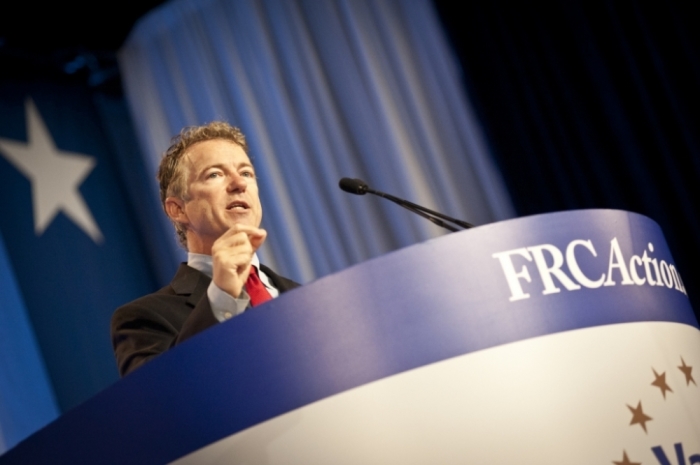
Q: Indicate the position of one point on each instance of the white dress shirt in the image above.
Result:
(224, 305)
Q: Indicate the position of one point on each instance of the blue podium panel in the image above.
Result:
(559, 337)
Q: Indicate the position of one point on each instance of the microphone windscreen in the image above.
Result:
(354, 186)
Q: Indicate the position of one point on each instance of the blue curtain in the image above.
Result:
(323, 90)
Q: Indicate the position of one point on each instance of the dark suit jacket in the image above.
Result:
(147, 327)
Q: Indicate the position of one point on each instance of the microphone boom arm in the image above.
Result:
(359, 187)
(427, 213)
(407, 205)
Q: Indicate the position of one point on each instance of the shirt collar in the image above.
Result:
(204, 263)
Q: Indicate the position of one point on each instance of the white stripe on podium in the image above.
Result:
(562, 398)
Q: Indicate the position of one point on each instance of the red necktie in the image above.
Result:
(256, 289)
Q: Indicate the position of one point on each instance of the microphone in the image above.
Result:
(354, 186)
(359, 187)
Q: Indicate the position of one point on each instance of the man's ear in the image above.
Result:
(175, 208)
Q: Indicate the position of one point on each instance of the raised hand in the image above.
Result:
(232, 254)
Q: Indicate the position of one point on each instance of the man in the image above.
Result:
(209, 191)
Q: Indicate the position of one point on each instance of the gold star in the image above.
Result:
(660, 382)
(639, 417)
(625, 460)
(687, 372)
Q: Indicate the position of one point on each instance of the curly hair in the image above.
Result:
(171, 175)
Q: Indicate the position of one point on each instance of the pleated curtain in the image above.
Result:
(322, 89)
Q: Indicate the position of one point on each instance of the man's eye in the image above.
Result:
(213, 175)
(248, 174)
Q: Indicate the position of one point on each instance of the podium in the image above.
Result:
(564, 337)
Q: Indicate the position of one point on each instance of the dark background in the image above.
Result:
(585, 104)
(590, 104)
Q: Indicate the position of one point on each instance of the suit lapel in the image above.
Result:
(282, 284)
(194, 283)
(190, 282)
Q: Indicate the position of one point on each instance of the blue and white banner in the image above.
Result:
(26, 398)
(74, 246)
(556, 338)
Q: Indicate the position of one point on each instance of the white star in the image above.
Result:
(55, 176)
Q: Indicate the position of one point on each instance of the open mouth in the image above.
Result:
(237, 205)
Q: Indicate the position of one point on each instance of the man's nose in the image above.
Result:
(237, 183)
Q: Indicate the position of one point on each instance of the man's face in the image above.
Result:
(222, 191)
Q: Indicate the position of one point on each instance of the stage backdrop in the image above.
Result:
(26, 396)
(591, 105)
(323, 90)
(75, 245)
